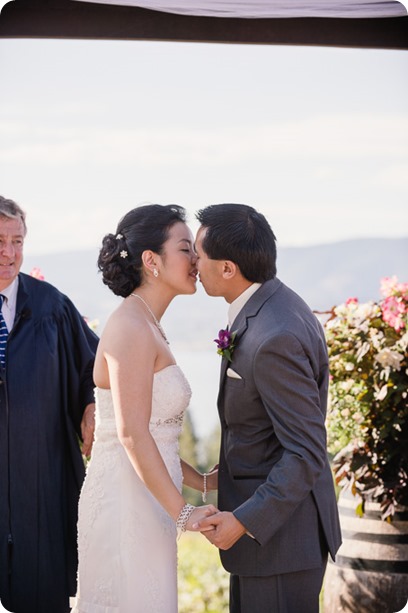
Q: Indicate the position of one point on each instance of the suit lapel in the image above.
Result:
(240, 325)
(254, 304)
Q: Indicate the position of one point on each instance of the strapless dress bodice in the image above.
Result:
(170, 399)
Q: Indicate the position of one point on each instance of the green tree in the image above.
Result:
(189, 453)
(202, 454)
(211, 447)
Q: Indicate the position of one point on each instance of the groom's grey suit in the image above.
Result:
(274, 473)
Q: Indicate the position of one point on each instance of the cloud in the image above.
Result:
(394, 176)
(322, 138)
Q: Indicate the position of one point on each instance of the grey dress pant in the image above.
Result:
(288, 593)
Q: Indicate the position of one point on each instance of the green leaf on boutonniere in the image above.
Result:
(225, 343)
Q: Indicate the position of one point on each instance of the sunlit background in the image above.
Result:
(315, 138)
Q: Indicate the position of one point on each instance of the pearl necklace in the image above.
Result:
(156, 321)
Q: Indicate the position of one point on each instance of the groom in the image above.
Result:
(278, 515)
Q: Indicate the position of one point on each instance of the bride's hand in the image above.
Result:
(200, 513)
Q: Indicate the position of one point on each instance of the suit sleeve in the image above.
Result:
(289, 391)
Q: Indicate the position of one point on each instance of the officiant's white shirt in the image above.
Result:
(238, 304)
(10, 304)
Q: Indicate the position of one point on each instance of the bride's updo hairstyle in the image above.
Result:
(144, 228)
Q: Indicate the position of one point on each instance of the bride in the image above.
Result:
(131, 503)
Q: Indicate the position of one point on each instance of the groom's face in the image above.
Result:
(210, 271)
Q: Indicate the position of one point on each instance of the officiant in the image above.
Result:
(46, 406)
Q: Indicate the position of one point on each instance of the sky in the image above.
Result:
(315, 138)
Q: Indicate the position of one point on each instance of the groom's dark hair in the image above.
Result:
(237, 232)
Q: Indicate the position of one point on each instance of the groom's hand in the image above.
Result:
(227, 529)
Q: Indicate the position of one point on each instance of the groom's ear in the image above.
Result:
(229, 270)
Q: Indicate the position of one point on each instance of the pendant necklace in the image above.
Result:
(156, 321)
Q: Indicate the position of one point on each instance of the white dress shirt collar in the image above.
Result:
(10, 303)
(236, 306)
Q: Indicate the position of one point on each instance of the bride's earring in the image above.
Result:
(155, 272)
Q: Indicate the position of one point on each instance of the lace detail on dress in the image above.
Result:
(126, 540)
(177, 421)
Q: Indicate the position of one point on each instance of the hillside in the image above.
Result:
(323, 275)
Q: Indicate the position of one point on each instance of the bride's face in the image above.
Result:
(179, 269)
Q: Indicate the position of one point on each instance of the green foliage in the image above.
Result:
(211, 447)
(188, 441)
(203, 583)
(203, 455)
(189, 452)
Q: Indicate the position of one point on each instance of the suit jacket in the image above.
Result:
(274, 472)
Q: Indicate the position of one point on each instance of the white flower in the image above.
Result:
(118, 236)
(402, 342)
(365, 348)
(347, 385)
(367, 310)
(388, 358)
(382, 392)
(123, 254)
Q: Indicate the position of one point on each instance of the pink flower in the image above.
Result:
(390, 287)
(37, 274)
(394, 305)
(393, 311)
(351, 301)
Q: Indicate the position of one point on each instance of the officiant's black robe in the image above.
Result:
(43, 393)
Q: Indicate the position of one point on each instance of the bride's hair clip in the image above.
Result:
(123, 254)
(119, 236)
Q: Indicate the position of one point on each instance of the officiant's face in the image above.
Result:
(11, 249)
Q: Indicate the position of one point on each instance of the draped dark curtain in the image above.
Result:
(342, 23)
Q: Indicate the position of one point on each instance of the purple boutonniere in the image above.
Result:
(225, 343)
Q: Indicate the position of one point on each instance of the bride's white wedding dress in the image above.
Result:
(126, 540)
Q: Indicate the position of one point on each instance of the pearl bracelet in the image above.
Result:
(184, 516)
(204, 496)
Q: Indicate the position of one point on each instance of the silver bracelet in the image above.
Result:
(184, 516)
(204, 496)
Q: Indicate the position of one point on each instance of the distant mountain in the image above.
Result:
(324, 275)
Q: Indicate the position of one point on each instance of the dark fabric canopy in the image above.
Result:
(342, 23)
(267, 9)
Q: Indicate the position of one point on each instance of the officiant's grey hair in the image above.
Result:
(11, 210)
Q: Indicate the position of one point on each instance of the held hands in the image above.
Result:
(222, 529)
(200, 513)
